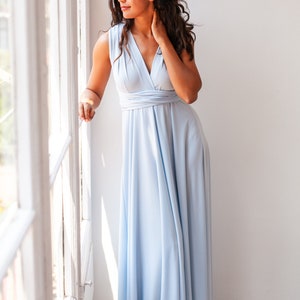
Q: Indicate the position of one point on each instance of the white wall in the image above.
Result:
(248, 55)
(106, 168)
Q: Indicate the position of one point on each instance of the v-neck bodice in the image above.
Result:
(135, 45)
(130, 71)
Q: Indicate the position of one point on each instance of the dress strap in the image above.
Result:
(114, 34)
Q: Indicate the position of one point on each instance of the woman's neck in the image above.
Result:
(142, 24)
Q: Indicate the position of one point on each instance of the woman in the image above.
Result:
(164, 248)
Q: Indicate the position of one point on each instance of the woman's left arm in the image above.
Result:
(183, 72)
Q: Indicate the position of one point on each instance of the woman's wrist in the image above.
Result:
(164, 43)
(88, 101)
(90, 97)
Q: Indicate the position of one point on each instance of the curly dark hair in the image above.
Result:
(174, 15)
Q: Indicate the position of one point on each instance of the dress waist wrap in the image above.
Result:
(143, 99)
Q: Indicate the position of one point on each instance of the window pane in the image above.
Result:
(8, 191)
(53, 66)
(11, 287)
(57, 108)
(59, 141)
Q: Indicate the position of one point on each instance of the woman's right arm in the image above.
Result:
(92, 95)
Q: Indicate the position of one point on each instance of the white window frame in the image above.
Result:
(30, 229)
(66, 156)
(87, 271)
(69, 90)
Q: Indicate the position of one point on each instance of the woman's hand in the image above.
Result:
(86, 111)
(158, 29)
(182, 70)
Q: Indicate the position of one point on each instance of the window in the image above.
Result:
(8, 174)
(20, 157)
(11, 286)
(48, 228)
(84, 156)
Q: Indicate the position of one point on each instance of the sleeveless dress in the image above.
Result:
(165, 226)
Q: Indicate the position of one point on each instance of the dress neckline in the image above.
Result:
(149, 72)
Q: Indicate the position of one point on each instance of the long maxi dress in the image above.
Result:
(165, 226)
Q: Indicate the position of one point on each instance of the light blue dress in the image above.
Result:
(165, 227)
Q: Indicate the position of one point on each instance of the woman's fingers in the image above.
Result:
(154, 17)
(81, 111)
(86, 112)
(89, 112)
(158, 28)
(92, 114)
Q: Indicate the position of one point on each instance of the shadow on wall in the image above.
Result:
(106, 178)
(109, 254)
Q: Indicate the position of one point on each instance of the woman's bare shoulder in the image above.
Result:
(101, 47)
(103, 40)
